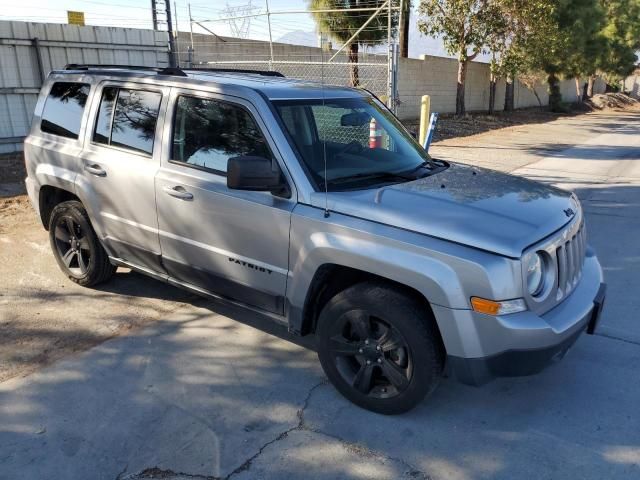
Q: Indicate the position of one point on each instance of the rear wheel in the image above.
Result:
(379, 347)
(76, 247)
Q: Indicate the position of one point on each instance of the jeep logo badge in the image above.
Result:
(569, 212)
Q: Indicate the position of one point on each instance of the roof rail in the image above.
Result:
(266, 73)
(159, 70)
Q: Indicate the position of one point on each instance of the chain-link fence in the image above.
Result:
(372, 76)
(295, 44)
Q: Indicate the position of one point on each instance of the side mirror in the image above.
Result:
(255, 174)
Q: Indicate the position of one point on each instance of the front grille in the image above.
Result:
(570, 257)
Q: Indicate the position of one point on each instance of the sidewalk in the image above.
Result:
(514, 147)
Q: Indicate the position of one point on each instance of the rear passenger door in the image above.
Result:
(230, 242)
(119, 163)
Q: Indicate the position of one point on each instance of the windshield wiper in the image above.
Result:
(373, 176)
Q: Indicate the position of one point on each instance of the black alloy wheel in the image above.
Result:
(72, 245)
(76, 247)
(371, 355)
(380, 347)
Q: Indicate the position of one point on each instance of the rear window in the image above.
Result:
(63, 109)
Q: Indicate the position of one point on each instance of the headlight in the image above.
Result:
(534, 271)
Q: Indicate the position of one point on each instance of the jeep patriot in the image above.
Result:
(312, 206)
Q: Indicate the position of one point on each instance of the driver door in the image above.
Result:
(229, 242)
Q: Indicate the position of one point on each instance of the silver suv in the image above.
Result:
(314, 207)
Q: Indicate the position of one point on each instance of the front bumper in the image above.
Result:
(482, 347)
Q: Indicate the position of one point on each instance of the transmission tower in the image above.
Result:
(239, 19)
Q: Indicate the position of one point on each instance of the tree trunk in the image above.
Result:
(404, 30)
(492, 94)
(555, 97)
(462, 76)
(578, 90)
(537, 96)
(590, 84)
(353, 60)
(509, 94)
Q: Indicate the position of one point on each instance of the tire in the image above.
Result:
(76, 247)
(401, 343)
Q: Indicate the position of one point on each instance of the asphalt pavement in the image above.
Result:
(205, 392)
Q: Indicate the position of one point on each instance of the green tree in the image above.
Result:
(524, 29)
(342, 25)
(571, 41)
(621, 38)
(464, 26)
(588, 46)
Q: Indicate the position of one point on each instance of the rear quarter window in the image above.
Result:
(63, 109)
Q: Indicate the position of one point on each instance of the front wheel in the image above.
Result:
(76, 246)
(379, 347)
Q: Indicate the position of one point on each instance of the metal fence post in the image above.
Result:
(394, 87)
(190, 26)
(36, 45)
(270, 37)
(389, 59)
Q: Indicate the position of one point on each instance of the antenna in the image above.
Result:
(324, 143)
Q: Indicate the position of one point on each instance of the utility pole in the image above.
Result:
(172, 38)
(154, 14)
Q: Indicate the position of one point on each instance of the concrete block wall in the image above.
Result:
(437, 77)
(632, 86)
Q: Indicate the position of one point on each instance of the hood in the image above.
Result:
(473, 206)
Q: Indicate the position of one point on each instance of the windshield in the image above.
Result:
(364, 144)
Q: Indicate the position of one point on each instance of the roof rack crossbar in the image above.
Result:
(159, 70)
(266, 73)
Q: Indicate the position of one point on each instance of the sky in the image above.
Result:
(137, 14)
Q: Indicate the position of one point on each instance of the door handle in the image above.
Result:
(178, 192)
(95, 170)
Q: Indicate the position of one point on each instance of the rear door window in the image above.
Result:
(127, 119)
(63, 109)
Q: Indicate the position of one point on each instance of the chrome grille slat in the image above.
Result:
(561, 255)
(570, 268)
(570, 257)
(581, 243)
(576, 261)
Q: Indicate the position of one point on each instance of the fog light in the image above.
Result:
(491, 307)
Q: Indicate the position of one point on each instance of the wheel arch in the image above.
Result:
(330, 279)
(48, 198)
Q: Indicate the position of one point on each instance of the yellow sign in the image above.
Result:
(75, 18)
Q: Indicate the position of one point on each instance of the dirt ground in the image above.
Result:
(37, 325)
(449, 126)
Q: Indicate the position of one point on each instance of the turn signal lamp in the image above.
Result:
(491, 307)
